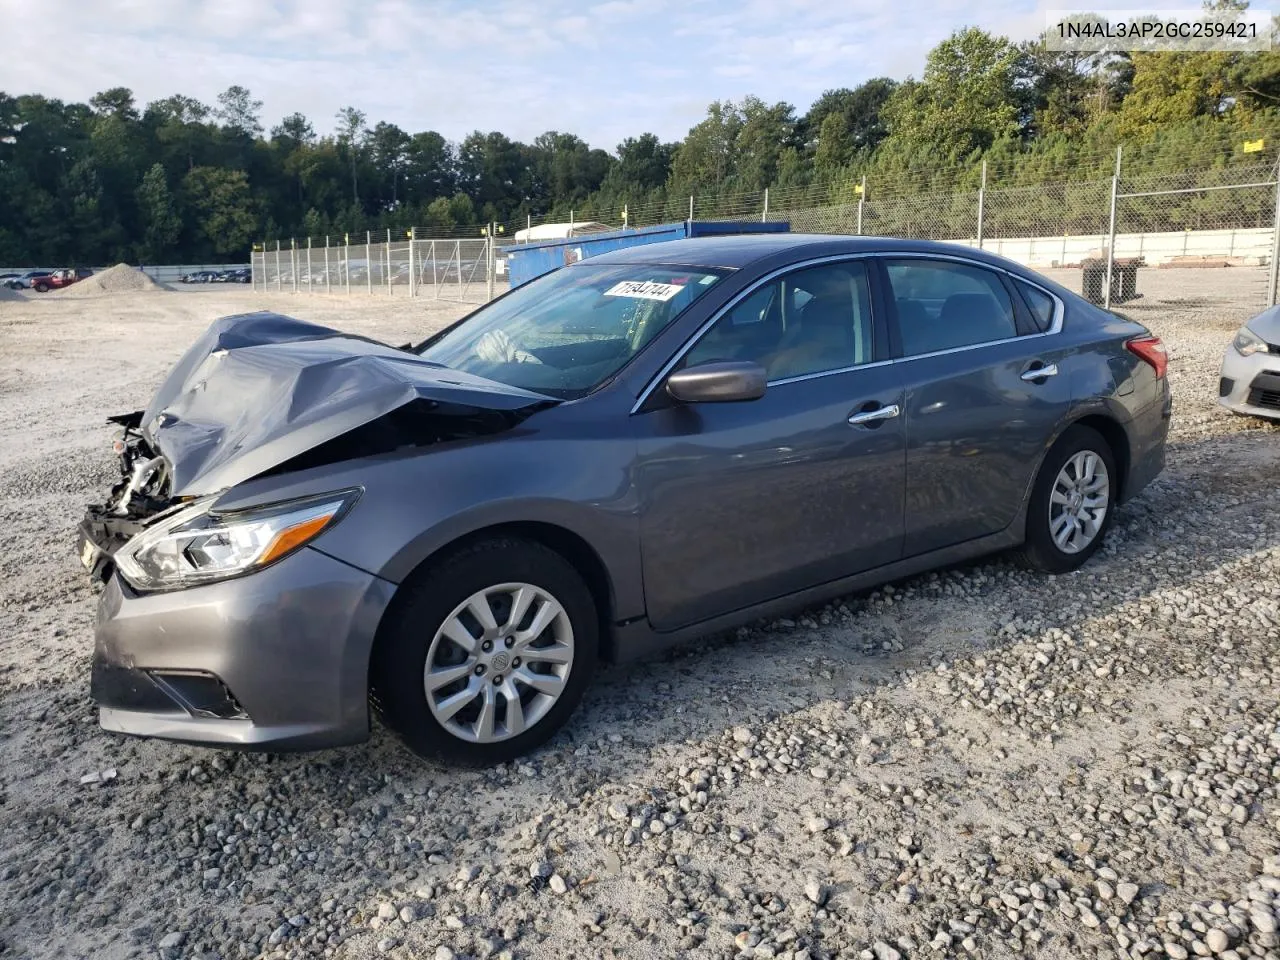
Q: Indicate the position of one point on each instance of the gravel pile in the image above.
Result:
(978, 762)
(121, 278)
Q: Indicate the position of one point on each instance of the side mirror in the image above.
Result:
(718, 382)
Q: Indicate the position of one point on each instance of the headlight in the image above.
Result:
(195, 546)
(1247, 343)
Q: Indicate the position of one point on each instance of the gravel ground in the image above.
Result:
(976, 762)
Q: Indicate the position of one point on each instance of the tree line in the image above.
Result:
(178, 180)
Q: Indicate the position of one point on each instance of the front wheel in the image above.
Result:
(42, 288)
(487, 653)
(1072, 503)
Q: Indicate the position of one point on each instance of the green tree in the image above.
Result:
(159, 215)
(223, 207)
(239, 112)
(708, 154)
(1171, 87)
(966, 99)
(853, 121)
(351, 135)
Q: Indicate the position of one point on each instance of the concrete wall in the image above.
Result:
(1253, 244)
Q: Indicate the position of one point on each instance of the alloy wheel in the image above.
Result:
(499, 662)
(1079, 501)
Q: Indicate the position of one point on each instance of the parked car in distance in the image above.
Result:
(199, 276)
(1250, 379)
(618, 456)
(59, 279)
(26, 280)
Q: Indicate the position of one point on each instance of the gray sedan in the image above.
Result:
(634, 450)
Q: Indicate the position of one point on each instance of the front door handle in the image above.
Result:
(1041, 373)
(872, 416)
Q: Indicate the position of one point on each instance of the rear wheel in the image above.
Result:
(1072, 503)
(487, 654)
(42, 288)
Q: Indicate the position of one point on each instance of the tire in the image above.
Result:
(1041, 550)
(436, 599)
(41, 288)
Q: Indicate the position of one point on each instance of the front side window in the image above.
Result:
(811, 321)
(943, 305)
(568, 331)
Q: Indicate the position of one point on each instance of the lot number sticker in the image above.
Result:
(644, 290)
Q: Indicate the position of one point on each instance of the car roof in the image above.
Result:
(741, 250)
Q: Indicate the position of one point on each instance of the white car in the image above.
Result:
(1250, 382)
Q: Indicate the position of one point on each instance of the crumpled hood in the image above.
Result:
(258, 389)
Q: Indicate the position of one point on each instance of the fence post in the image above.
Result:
(328, 280)
(691, 208)
(293, 261)
(413, 286)
(528, 224)
(765, 215)
(1111, 232)
(862, 197)
(491, 262)
(346, 263)
(435, 280)
(982, 199)
(570, 224)
(278, 287)
(1273, 278)
(390, 292)
(311, 280)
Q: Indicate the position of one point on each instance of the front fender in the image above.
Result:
(416, 502)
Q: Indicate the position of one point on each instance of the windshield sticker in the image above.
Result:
(644, 290)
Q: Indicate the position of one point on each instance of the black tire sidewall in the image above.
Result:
(1040, 550)
(431, 595)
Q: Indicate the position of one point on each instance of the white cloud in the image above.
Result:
(604, 70)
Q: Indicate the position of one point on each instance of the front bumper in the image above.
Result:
(277, 660)
(1250, 385)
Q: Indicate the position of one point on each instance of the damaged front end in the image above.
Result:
(261, 393)
(141, 496)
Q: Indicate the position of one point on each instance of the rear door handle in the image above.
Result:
(872, 416)
(1040, 373)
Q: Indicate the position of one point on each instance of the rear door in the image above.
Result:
(986, 385)
(745, 502)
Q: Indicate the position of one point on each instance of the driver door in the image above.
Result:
(744, 502)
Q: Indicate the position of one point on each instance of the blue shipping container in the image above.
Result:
(525, 261)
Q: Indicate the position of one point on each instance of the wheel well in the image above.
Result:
(564, 542)
(1117, 440)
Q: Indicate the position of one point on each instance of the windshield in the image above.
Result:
(568, 331)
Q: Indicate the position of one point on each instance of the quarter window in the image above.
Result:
(811, 321)
(1041, 305)
(943, 305)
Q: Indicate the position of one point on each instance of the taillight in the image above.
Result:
(1152, 351)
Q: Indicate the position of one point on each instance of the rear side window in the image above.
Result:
(1041, 304)
(943, 305)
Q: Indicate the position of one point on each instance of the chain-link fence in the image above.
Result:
(460, 270)
(1145, 240)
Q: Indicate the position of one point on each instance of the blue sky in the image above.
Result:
(603, 69)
